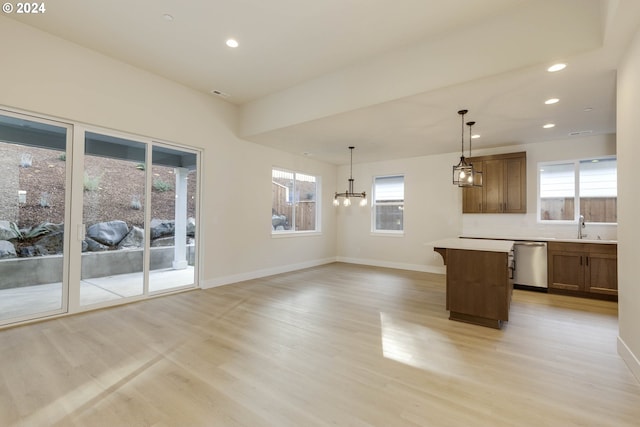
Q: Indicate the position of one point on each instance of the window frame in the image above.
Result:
(576, 171)
(318, 192)
(384, 232)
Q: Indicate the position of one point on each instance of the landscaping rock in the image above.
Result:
(278, 221)
(54, 227)
(7, 250)
(85, 246)
(8, 230)
(50, 244)
(191, 227)
(28, 252)
(162, 228)
(108, 233)
(163, 241)
(94, 246)
(135, 239)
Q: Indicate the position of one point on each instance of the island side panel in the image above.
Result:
(478, 286)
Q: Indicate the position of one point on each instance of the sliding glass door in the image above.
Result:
(122, 235)
(90, 218)
(173, 218)
(113, 218)
(34, 246)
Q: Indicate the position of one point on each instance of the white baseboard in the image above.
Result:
(256, 274)
(630, 359)
(396, 265)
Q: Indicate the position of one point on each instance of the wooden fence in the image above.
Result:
(305, 210)
(594, 209)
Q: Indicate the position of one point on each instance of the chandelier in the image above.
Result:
(464, 175)
(350, 193)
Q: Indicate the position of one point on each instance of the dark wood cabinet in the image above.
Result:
(504, 187)
(479, 286)
(493, 185)
(515, 188)
(472, 196)
(583, 269)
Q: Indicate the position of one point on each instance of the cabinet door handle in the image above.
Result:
(587, 261)
(580, 260)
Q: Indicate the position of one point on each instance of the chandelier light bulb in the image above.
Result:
(363, 202)
(346, 202)
(336, 202)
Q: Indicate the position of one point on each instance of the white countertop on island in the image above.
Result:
(473, 244)
(539, 239)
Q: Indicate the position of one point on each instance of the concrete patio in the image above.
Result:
(29, 300)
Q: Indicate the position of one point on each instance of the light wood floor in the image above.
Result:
(334, 345)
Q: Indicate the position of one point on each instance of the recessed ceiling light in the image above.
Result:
(549, 125)
(580, 132)
(475, 136)
(232, 43)
(551, 101)
(556, 67)
(167, 17)
(220, 93)
(588, 109)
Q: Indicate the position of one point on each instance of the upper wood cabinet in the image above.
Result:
(504, 186)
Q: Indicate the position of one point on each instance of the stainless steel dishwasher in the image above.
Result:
(530, 264)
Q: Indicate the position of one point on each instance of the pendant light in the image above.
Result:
(463, 173)
(350, 193)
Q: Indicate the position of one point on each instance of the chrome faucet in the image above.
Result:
(580, 227)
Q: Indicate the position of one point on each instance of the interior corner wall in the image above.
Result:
(628, 125)
(49, 76)
(431, 212)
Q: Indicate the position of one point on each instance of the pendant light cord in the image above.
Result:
(462, 113)
(462, 138)
(470, 135)
(351, 163)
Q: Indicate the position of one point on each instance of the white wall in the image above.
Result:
(629, 206)
(433, 208)
(47, 75)
(526, 225)
(432, 211)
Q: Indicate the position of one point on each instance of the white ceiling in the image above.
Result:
(387, 76)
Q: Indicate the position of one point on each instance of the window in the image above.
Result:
(294, 201)
(388, 203)
(582, 187)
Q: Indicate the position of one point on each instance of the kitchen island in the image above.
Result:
(479, 279)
